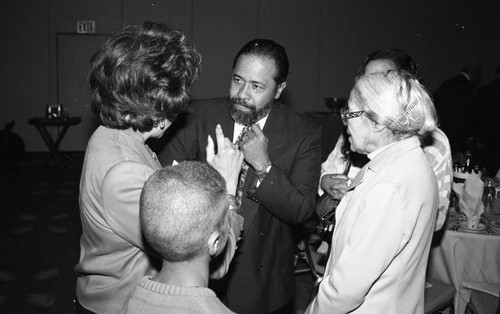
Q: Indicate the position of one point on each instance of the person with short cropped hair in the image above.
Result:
(184, 212)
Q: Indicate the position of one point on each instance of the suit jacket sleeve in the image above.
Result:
(183, 142)
(292, 196)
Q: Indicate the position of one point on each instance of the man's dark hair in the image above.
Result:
(401, 60)
(266, 48)
(142, 75)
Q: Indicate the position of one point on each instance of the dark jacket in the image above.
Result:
(455, 103)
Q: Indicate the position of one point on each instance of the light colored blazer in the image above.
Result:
(382, 238)
(113, 254)
(438, 154)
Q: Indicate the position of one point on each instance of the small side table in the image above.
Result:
(41, 125)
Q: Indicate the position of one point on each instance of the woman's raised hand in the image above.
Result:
(228, 159)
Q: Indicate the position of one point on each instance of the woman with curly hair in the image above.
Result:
(139, 81)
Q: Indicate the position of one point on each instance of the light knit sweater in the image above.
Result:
(153, 297)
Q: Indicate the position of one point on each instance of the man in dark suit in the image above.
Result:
(455, 103)
(283, 152)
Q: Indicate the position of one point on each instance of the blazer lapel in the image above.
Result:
(249, 207)
(227, 126)
(273, 129)
(225, 121)
(358, 178)
(274, 133)
(382, 158)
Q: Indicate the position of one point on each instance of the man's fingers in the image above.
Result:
(337, 176)
(256, 129)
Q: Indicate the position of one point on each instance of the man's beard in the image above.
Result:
(251, 117)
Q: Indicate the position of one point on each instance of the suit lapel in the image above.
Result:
(226, 122)
(273, 130)
(383, 158)
(227, 125)
(249, 207)
(358, 178)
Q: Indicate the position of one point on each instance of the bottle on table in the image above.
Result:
(488, 196)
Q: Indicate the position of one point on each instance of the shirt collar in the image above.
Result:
(238, 127)
(378, 151)
(136, 135)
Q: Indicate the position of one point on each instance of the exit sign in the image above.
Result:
(85, 27)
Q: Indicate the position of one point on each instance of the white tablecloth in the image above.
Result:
(467, 261)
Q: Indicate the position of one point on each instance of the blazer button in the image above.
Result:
(261, 234)
(260, 268)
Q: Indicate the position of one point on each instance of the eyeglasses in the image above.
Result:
(345, 114)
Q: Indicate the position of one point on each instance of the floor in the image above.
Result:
(39, 234)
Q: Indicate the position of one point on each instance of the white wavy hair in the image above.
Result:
(397, 101)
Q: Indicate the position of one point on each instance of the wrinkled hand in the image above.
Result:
(335, 185)
(254, 147)
(227, 161)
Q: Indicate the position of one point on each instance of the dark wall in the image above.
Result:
(45, 61)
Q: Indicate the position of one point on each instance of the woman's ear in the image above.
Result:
(168, 123)
(376, 128)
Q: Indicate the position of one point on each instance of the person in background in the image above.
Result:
(282, 152)
(184, 213)
(486, 121)
(139, 82)
(435, 145)
(384, 60)
(455, 100)
(385, 221)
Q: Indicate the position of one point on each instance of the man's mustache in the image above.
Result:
(241, 102)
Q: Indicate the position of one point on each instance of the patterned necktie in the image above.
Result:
(244, 169)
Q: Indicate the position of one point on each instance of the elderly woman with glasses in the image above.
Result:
(436, 145)
(385, 221)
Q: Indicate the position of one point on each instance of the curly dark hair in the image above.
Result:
(142, 75)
